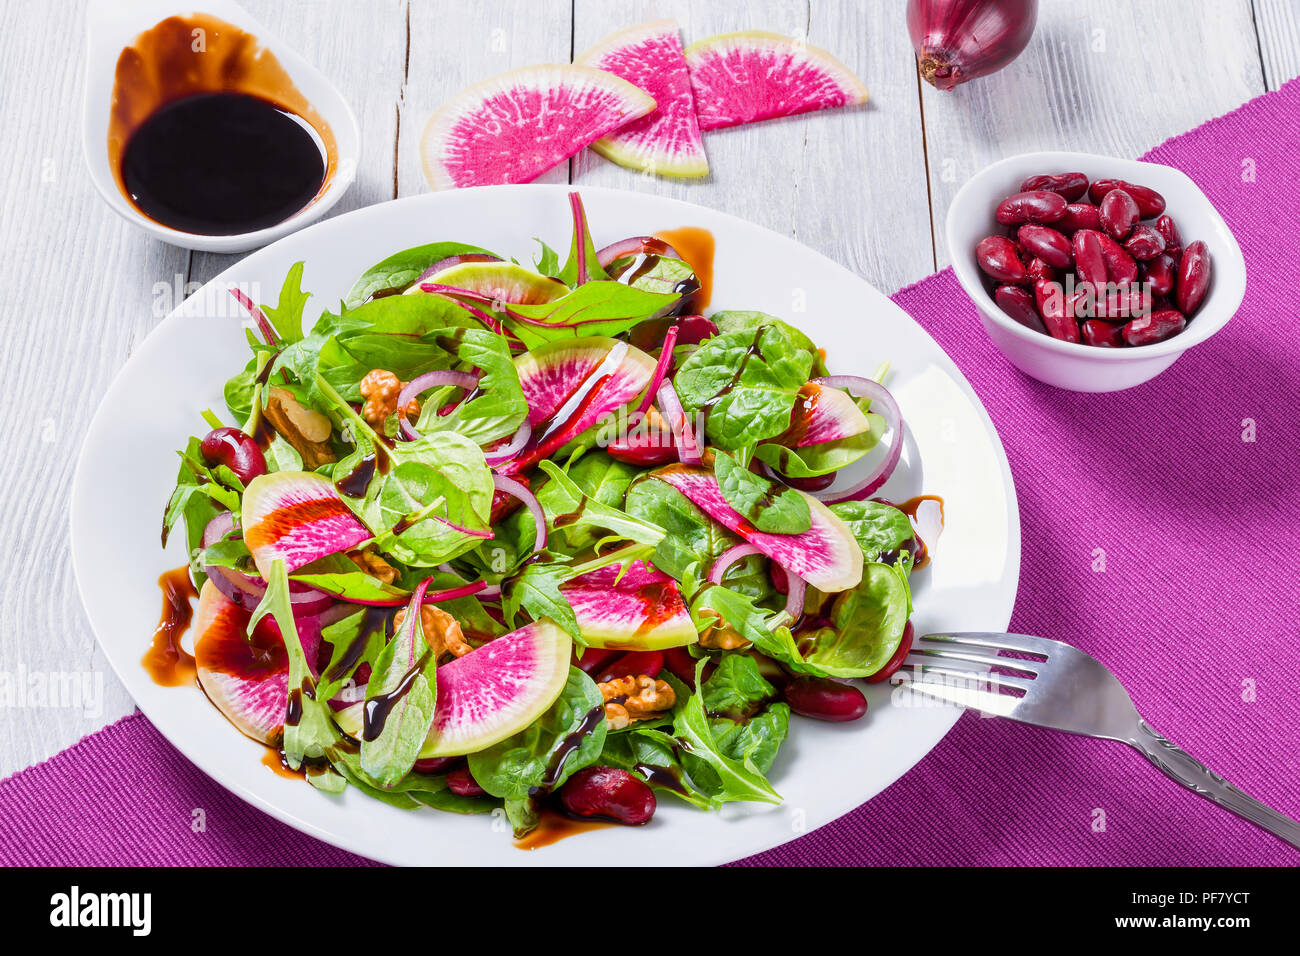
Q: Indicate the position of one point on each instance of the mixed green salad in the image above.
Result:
(490, 536)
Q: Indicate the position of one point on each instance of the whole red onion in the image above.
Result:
(958, 40)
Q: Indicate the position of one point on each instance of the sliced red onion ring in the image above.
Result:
(499, 456)
(796, 590)
(442, 265)
(670, 405)
(883, 403)
(513, 488)
(633, 246)
(661, 369)
(218, 528)
(422, 383)
(727, 559)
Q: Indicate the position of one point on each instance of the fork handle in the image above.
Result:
(1177, 764)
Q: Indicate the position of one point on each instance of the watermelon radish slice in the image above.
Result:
(298, 516)
(745, 77)
(246, 677)
(667, 142)
(571, 385)
(823, 414)
(827, 555)
(642, 610)
(513, 127)
(497, 282)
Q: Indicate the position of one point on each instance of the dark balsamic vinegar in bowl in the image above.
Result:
(221, 164)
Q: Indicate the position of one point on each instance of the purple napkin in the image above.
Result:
(1185, 490)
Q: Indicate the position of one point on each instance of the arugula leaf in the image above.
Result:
(776, 512)
(402, 268)
(286, 316)
(566, 506)
(652, 755)
(313, 732)
(718, 606)
(736, 778)
(747, 381)
(400, 698)
(568, 737)
(866, 626)
(547, 262)
(596, 308)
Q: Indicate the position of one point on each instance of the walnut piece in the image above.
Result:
(720, 635)
(632, 698)
(441, 631)
(306, 429)
(374, 565)
(381, 389)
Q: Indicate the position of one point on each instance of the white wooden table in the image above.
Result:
(869, 188)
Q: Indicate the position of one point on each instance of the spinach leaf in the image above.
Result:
(596, 308)
(747, 381)
(776, 512)
(402, 268)
(692, 540)
(400, 698)
(747, 321)
(824, 457)
(568, 737)
(878, 527)
(866, 625)
(736, 689)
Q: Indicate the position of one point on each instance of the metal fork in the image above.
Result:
(1071, 691)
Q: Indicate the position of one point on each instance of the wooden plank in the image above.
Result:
(454, 44)
(849, 183)
(1119, 79)
(1277, 26)
(85, 288)
(361, 47)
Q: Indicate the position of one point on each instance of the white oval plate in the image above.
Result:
(128, 465)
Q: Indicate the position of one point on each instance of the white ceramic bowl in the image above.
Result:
(112, 25)
(1087, 368)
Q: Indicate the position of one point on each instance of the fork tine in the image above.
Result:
(976, 677)
(989, 660)
(1024, 643)
(1002, 705)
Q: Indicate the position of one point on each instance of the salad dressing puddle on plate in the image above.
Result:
(554, 827)
(696, 247)
(169, 664)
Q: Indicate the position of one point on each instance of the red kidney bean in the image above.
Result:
(644, 446)
(1119, 214)
(1154, 327)
(1080, 304)
(824, 699)
(1088, 258)
(1122, 303)
(679, 661)
(894, 663)
(1069, 185)
(593, 658)
(1079, 215)
(1193, 278)
(436, 764)
(1145, 242)
(1103, 334)
(608, 793)
(462, 783)
(1051, 306)
(1037, 205)
(1047, 244)
(236, 450)
(1000, 260)
(694, 329)
(1160, 272)
(1168, 229)
(632, 663)
(1149, 202)
(1016, 302)
(1120, 266)
(1038, 269)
